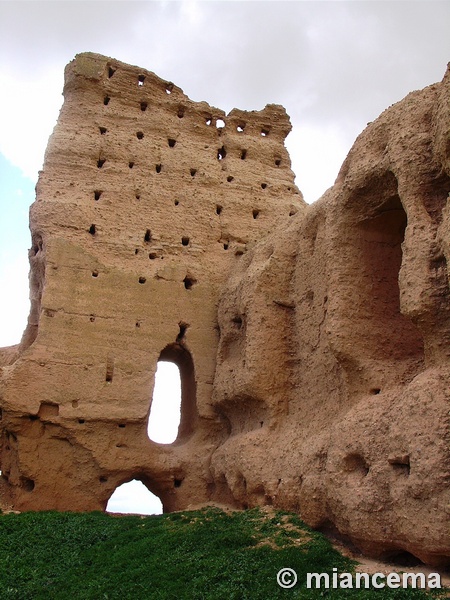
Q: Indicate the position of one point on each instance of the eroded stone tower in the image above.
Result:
(146, 202)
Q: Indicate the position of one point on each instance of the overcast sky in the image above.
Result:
(335, 66)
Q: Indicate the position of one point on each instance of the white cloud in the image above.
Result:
(28, 113)
(317, 154)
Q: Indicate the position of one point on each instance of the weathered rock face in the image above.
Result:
(342, 351)
(313, 342)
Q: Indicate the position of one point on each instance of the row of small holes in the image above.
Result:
(141, 79)
(188, 282)
(184, 240)
(221, 153)
(147, 237)
(158, 169)
(220, 123)
(168, 87)
(220, 156)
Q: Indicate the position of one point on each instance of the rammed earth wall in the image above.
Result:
(312, 341)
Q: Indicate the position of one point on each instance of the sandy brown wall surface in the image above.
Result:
(312, 341)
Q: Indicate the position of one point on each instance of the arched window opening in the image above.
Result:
(133, 497)
(165, 413)
(173, 407)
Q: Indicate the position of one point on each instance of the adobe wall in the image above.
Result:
(313, 341)
(146, 202)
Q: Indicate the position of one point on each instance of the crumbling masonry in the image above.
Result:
(313, 341)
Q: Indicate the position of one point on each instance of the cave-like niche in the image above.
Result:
(179, 356)
(380, 242)
(373, 339)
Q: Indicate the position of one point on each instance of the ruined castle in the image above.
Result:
(313, 342)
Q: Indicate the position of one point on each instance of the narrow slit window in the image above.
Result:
(109, 369)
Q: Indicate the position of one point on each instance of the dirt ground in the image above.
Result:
(371, 566)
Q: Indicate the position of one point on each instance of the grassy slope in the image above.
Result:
(198, 555)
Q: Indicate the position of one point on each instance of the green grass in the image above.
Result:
(200, 555)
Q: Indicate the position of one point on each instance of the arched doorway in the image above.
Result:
(133, 497)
